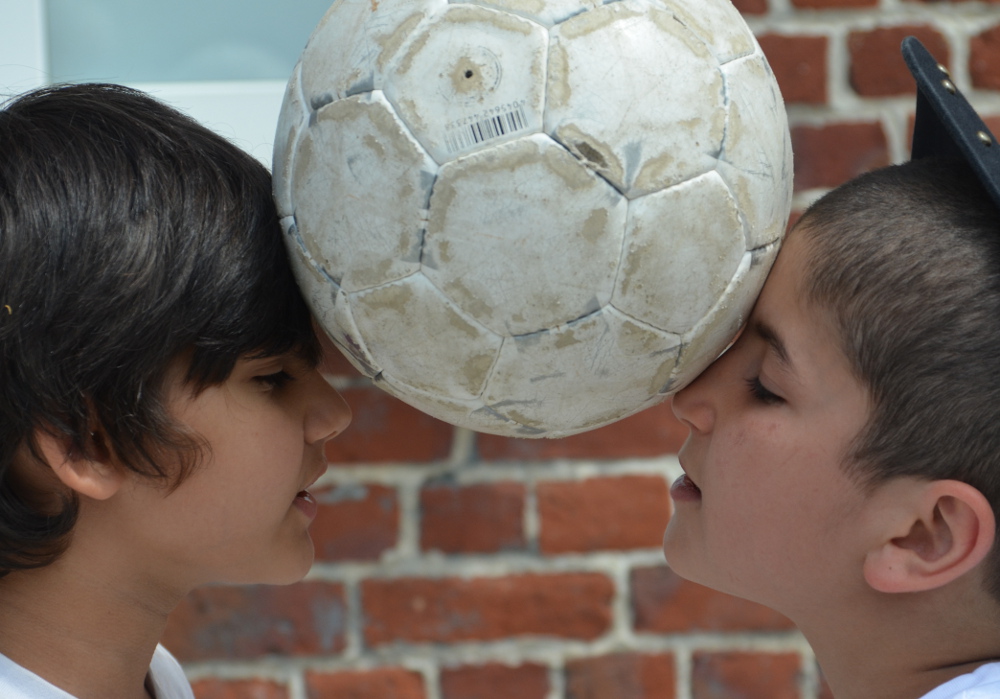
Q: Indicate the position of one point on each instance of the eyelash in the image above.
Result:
(761, 394)
(275, 381)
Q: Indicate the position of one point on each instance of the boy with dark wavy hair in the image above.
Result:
(843, 465)
(161, 412)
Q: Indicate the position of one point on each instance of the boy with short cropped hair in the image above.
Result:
(161, 412)
(843, 465)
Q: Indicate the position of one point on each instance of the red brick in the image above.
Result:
(387, 429)
(383, 683)
(833, 4)
(567, 605)
(877, 66)
(253, 621)
(239, 689)
(984, 59)
(751, 7)
(663, 602)
(799, 64)
(830, 155)
(622, 676)
(495, 681)
(355, 522)
(745, 675)
(482, 518)
(625, 512)
(653, 432)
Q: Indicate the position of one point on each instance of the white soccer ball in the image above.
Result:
(532, 217)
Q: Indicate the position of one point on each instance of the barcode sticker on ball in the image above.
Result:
(471, 131)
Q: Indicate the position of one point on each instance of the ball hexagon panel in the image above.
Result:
(327, 300)
(756, 155)
(719, 24)
(611, 89)
(470, 76)
(706, 341)
(545, 12)
(682, 247)
(616, 362)
(523, 202)
(361, 182)
(351, 45)
(470, 413)
(292, 118)
(445, 352)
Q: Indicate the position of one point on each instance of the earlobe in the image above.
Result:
(945, 530)
(91, 476)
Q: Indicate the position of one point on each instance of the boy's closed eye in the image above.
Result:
(760, 393)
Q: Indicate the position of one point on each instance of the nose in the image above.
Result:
(328, 413)
(693, 404)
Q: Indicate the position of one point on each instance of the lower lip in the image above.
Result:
(307, 503)
(684, 490)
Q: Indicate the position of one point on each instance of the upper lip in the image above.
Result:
(316, 476)
(680, 460)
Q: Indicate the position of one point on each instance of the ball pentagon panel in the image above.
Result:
(496, 216)
(470, 77)
(370, 232)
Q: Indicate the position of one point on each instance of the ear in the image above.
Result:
(91, 476)
(942, 530)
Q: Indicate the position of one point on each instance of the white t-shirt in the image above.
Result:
(168, 678)
(983, 683)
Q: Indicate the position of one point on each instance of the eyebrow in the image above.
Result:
(771, 337)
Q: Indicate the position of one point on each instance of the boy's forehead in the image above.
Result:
(788, 273)
(785, 316)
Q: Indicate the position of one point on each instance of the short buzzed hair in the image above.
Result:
(906, 260)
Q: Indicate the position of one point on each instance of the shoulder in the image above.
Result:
(168, 676)
(982, 683)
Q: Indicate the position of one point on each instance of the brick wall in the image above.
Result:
(452, 565)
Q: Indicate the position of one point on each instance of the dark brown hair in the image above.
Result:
(130, 236)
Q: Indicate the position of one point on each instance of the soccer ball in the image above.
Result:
(532, 217)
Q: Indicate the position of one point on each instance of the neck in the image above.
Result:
(86, 624)
(903, 646)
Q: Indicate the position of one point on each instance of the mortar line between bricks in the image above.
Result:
(683, 665)
(810, 674)
(557, 681)
(621, 607)
(408, 543)
(532, 520)
(297, 685)
(488, 472)
(428, 659)
(435, 566)
(462, 447)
